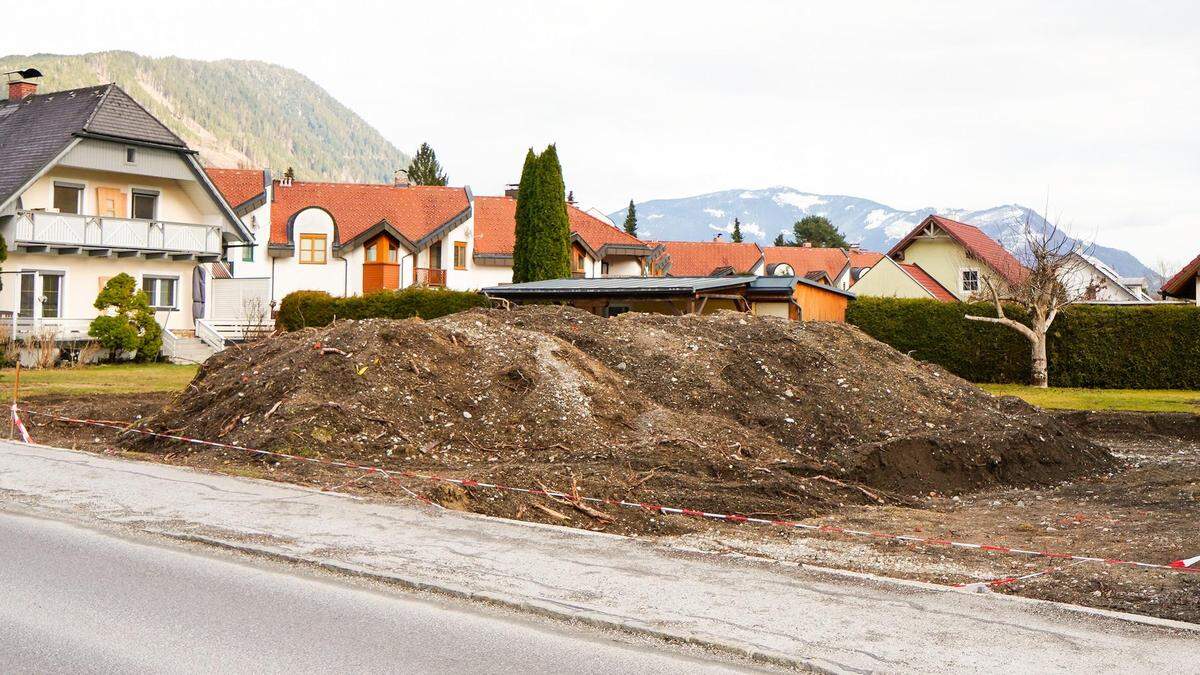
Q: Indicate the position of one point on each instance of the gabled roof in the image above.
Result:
(496, 224)
(413, 213)
(803, 259)
(702, 258)
(1183, 283)
(864, 259)
(938, 291)
(1114, 278)
(37, 129)
(978, 244)
(238, 185)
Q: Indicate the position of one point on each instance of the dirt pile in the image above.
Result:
(723, 412)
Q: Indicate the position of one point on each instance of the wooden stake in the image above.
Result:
(15, 395)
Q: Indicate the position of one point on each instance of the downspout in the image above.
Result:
(272, 279)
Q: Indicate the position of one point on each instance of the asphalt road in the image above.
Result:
(79, 600)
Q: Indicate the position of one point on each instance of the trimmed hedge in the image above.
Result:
(1099, 346)
(318, 308)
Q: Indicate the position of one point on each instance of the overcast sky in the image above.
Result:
(956, 104)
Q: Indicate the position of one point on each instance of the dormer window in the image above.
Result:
(130, 155)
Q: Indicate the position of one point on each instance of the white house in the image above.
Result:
(1091, 278)
(93, 185)
(354, 238)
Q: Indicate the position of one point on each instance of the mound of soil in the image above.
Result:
(723, 412)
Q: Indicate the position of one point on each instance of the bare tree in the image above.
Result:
(254, 318)
(1052, 275)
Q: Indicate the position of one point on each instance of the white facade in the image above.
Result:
(1086, 276)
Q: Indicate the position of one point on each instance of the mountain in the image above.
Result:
(766, 213)
(236, 113)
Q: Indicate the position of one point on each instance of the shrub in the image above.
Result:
(1106, 346)
(126, 323)
(318, 308)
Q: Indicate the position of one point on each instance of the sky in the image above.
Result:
(1088, 106)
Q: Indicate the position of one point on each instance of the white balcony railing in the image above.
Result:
(69, 229)
(25, 328)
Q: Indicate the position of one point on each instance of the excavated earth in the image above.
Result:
(724, 412)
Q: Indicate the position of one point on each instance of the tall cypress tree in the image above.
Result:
(542, 249)
(736, 235)
(631, 219)
(523, 243)
(425, 168)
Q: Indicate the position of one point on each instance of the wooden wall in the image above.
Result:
(820, 305)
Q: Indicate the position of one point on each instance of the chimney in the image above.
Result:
(288, 177)
(19, 85)
(719, 236)
(510, 190)
(856, 248)
(400, 179)
(20, 89)
(808, 244)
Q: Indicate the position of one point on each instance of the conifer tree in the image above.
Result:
(736, 235)
(542, 249)
(631, 219)
(425, 168)
(818, 231)
(780, 240)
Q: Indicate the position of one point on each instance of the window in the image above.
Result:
(577, 260)
(28, 293)
(460, 255)
(604, 268)
(248, 253)
(68, 198)
(970, 281)
(130, 155)
(51, 295)
(161, 291)
(145, 205)
(312, 249)
(48, 297)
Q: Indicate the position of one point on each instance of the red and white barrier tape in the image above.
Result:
(20, 426)
(1186, 562)
(654, 508)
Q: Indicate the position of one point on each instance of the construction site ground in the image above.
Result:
(1146, 510)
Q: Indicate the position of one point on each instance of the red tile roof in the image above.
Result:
(804, 260)
(496, 224)
(938, 291)
(1178, 284)
(976, 242)
(701, 258)
(864, 259)
(237, 185)
(414, 211)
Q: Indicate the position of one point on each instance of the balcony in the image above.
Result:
(40, 231)
(429, 276)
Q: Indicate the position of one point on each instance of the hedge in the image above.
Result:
(318, 308)
(1099, 346)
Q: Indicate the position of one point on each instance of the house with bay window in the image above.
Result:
(356, 238)
(93, 185)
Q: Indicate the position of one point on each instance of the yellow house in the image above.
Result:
(944, 260)
(91, 186)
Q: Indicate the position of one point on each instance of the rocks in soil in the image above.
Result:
(728, 411)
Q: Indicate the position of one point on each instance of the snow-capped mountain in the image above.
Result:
(765, 213)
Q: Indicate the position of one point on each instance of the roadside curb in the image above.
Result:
(554, 611)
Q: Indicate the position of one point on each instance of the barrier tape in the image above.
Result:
(653, 508)
(20, 426)
(1186, 562)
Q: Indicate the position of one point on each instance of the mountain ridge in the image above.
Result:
(875, 226)
(236, 113)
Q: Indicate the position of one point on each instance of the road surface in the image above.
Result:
(80, 600)
(802, 616)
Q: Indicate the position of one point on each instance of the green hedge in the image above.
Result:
(1103, 346)
(318, 308)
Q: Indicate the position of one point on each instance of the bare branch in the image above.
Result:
(1011, 323)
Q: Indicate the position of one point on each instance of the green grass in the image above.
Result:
(107, 379)
(1066, 398)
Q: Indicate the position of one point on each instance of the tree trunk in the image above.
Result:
(1039, 375)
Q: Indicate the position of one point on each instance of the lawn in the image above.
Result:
(107, 379)
(1147, 400)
